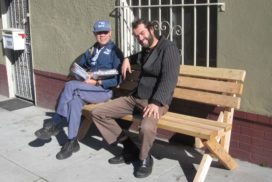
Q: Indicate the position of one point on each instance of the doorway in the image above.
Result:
(15, 15)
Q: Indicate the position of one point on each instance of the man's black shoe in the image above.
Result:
(124, 158)
(47, 131)
(129, 154)
(145, 168)
(68, 149)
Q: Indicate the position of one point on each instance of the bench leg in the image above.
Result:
(218, 151)
(223, 156)
(228, 118)
(84, 127)
(198, 141)
(203, 168)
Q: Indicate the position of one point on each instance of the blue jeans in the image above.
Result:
(73, 97)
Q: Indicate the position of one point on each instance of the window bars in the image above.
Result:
(190, 24)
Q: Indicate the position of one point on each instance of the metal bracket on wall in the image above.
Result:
(222, 7)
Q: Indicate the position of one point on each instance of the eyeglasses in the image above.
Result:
(103, 32)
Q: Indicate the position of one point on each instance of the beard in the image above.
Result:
(150, 40)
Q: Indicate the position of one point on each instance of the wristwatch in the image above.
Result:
(97, 83)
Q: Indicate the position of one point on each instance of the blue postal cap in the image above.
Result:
(101, 26)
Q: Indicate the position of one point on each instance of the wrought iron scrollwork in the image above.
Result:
(166, 29)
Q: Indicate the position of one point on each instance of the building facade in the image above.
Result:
(59, 31)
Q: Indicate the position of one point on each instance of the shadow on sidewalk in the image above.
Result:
(61, 136)
(185, 154)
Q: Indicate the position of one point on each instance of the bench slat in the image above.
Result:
(187, 129)
(193, 126)
(179, 128)
(198, 83)
(200, 121)
(207, 98)
(207, 125)
(210, 85)
(216, 73)
(197, 125)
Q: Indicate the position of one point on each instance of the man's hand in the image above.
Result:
(90, 75)
(151, 110)
(126, 67)
(90, 80)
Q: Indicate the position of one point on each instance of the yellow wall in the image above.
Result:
(245, 42)
(61, 30)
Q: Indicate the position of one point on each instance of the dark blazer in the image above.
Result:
(159, 73)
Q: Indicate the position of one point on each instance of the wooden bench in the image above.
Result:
(212, 86)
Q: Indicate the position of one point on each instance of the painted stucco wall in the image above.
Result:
(61, 30)
(245, 42)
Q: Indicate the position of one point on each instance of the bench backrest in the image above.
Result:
(214, 86)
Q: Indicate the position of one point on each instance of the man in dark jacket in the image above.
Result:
(103, 55)
(160, 62)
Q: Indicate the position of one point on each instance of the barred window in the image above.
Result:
(190, 24)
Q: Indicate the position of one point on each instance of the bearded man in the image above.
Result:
(160, 62)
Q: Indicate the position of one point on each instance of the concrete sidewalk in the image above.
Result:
(23, 158)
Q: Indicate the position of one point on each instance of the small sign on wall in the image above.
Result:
(14, 38)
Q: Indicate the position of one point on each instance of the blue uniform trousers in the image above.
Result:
(73, 97)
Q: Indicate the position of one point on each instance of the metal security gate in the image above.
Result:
(22, 73)
(190, 24)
